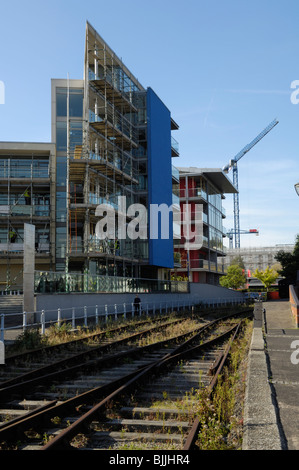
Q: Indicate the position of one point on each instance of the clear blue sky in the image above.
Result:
(223, 68)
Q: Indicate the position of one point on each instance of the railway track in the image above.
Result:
(60, 404)
(36, 363)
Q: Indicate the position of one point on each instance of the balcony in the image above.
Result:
(115, 126)
(116, 90)
(18, 169)
(174, 147)
(175, 173)
(200, 265)
(25, 210)
(18, 248)
(193, 193)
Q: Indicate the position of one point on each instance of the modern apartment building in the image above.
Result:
(201, 193)
(111, 144)
(27, 195)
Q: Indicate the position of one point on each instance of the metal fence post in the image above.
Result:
(97, 315)
(106, 313)
(24, 320)
(2, 328)
(85, 317)
(43, 323)
(115, 311)
(59, 317)
(125, 314)
(73, 318)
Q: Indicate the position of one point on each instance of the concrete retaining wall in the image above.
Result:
(199, 293)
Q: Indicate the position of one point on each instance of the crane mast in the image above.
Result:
(233, 165)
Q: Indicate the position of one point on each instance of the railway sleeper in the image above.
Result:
(116, 439)
(136, 425)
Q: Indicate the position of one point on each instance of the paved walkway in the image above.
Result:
(271, 418)
(282, 338)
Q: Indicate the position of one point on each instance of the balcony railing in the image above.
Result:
(26, 210)
(126, 249)
(116, 120)
(175, 146)
(198, 193)
(19, 247)
(202, 264)
(10, 169)
(55, 282)
(175, 173)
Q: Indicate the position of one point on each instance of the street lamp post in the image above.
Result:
(297, 188)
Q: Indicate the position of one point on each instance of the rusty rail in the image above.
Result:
(15, 429)
(62, 441)
(218, 367)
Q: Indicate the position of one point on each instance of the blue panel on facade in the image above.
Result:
(159, 179)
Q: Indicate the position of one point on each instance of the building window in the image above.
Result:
(76, 102)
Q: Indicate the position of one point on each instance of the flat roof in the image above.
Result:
(26, 147)
(217, 177)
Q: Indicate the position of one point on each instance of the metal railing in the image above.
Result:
(60, 282)
(93, 315)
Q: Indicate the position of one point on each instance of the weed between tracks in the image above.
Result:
(221, 415)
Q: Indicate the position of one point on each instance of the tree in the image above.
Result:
(234, 278)
(267, 277)
(238, 260)
(289, 262)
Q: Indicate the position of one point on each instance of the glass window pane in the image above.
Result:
(76, 105)
(61, 108)
(61, 136)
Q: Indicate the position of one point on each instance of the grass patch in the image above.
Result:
(221, 414)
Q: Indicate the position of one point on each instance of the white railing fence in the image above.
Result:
(87, 315)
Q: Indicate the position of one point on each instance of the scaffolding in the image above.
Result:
(101, 166)
(25, 197)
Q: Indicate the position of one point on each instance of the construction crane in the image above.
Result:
(232, 232)
(233, 165)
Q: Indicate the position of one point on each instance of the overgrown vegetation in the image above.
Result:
(221, 414)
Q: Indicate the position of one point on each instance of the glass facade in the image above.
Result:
(102, 154)
(75, 113)
(205, 264)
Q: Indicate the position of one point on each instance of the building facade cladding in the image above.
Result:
(27, 195)
(113, 139)
(160, 179)
(202, 191)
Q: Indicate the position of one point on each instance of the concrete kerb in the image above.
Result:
(261, 429)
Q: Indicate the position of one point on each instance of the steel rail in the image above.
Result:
(67, 344)
(62, 441)
(192, 436)
(12, 385)
(10, 430)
